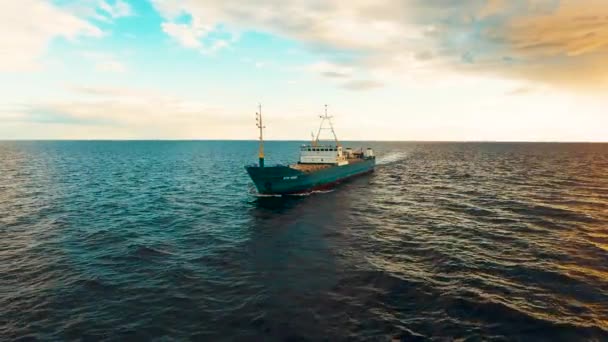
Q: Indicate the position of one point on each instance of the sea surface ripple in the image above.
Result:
(167, 239)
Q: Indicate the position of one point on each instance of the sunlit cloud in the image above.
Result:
(362, 84)
(541, 40)
(129, 113)
(557, 42)
(331, 70)
(24, 40)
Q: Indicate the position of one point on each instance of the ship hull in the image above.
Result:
(282, 180)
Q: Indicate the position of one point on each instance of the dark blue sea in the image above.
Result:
(167, 240)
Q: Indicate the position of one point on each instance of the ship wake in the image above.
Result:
(390, 158)
(308, 193)
(299, 194)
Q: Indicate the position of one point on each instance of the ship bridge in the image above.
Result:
(322, 154)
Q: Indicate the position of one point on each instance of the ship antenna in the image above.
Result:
(260, 125)
(331, 126)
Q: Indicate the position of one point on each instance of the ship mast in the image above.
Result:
(260, 125)
(331, 127)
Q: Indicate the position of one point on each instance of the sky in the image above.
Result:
(432, 70)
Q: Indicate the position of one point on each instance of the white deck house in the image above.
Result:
(322, 154)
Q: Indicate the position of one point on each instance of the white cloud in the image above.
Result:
(187, 35)
(362, 85)
(398, 37)
(330, 69)
(28, 26)
(111, 66)
(98, 10)
(377, 39)
(113, 112)
(105, 62)
(117, 10)
(333, 23)
(344, 75)
(194, 35)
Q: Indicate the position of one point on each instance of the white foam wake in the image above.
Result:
(300, 194)
(391, 158)
(308, 193)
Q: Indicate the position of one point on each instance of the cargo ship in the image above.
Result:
(320, 166)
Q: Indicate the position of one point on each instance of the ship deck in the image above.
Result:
(307, 168)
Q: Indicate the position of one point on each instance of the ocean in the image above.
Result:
(141, 240)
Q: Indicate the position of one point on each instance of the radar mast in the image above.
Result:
(327, 118)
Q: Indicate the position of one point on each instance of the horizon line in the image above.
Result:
(308, 140)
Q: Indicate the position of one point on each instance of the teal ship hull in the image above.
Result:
(284, 180)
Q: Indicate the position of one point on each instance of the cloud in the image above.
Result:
(520, 90)
(116, 10)
(110, 112)
(105, 62)
(28, 26)
(105, 11)
(557, 42)
(121, 113)
(111, 66)
(331, 70)
(423, 55)
(347, 77)
(551, 41)
(361, 85)
(331, 25)
(334, 74)
(187, 35)
(112, 92)
(52, 115)
(192, 35)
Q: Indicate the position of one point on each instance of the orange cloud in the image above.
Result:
(553, 42)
